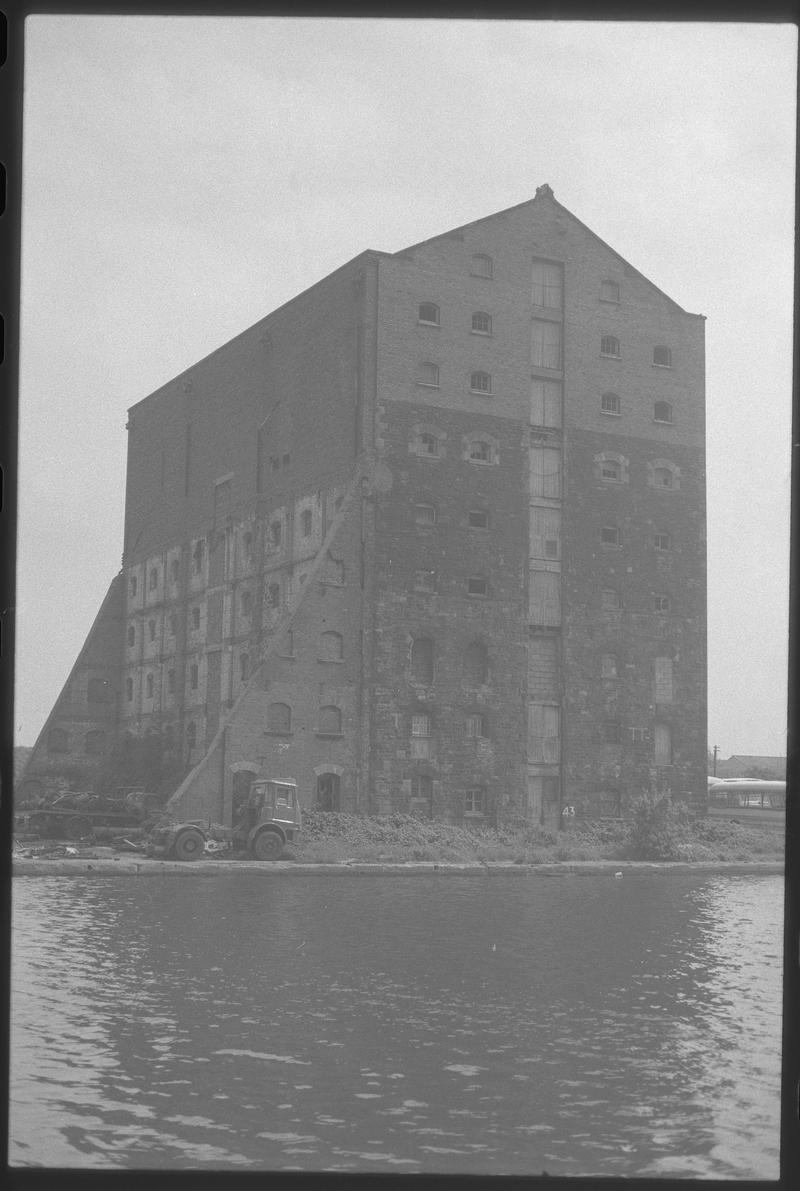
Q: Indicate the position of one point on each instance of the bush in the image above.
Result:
(660, 829)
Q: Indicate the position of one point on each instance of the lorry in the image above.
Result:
(267, 819)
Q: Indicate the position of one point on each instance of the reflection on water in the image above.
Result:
(489, 1025)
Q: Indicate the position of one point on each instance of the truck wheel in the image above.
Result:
(268, 845)
(189, 845)
(77, 827)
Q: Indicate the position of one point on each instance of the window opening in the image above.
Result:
(429, 313)
(481, 323)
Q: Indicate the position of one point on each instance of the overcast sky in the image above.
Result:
(183, 177)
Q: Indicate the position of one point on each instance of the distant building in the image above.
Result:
(742, 765)
(430, 537)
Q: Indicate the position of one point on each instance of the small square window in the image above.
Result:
(480, 382)
(477, 586)
(609, 291)
(661, 603)
(610, 404)
(424, 514)
(481, 323)
(478, 519)
(420, 725)
(474, 801)
(610, 535)
(609, 346)
(611, 469)
(610, 599)
(662, 541)
(429, 313)
(662, 357)
(662, 412)
(425, 581)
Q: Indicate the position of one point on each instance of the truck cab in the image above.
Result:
(269, 818)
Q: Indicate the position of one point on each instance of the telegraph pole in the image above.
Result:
(716, 750)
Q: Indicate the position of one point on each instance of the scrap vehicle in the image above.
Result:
(267, 819)
(83, 815)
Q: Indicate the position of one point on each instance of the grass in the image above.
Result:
(335, 838)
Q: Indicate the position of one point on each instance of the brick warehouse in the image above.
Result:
(429, 537)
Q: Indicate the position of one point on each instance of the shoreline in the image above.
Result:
(131, 865)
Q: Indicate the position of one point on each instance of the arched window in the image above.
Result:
(480, 451)
(153, 580)
(481, 323)
(609, 346)
(429, 313)
(279, 719)
(481, 265)
(131, 635)
(610, 404)
(98, 690)
(662, 473)
(57, 741)
(191, 734)
(330, 721)
(662, 412)
(129, 689)
(244, 667)
(94, 742)
(662, 356)
(476, 662)
(427, 444)
(421, 669)
(331, 647)
(480, 382)
(428, 374)
(149, 686)
(611, 469)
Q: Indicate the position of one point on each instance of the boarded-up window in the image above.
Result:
(57, 741)
(330, 721)
(662, 739)
(608, 665)
(544, 598)
(279, 718)
(545, 403)
(95, 742)
(422, 660)
(547, 283)
(544, 741)
(99, 690)
(545, 472)
(476, 662)
(545, 533)
(662, 692)
(331, 644)
(545, 344)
